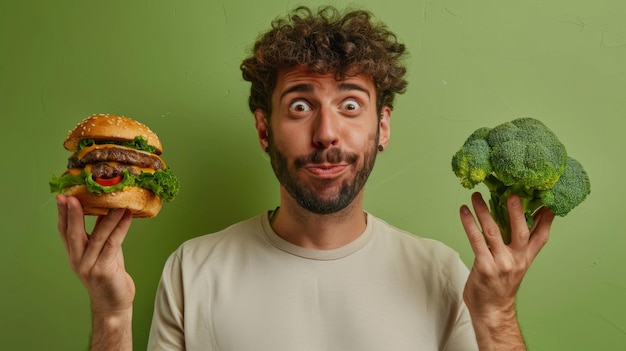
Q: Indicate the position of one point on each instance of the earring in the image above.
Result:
(380, 148)
(267, 149)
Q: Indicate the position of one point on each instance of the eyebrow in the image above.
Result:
(299, 88)
(352, 86)
(308, 88)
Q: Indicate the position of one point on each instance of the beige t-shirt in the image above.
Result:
(246, 289)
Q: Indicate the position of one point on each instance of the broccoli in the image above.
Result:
(526, 158)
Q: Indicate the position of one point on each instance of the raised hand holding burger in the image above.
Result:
(116, 164)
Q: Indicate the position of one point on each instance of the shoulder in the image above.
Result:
(237, 236)
(411, 243)
(428, 256)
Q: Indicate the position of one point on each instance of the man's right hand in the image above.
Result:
(98, 261)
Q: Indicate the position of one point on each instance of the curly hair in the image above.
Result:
(345, 45)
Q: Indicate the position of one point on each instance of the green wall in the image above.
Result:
(174, 66)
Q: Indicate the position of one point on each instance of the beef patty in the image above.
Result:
(114, 154)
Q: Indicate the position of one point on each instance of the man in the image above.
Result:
(317, 273)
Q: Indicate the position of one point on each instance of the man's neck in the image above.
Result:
(319, 231)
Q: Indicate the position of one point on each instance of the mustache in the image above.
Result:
(334, 155)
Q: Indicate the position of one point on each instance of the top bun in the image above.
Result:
(111, 127)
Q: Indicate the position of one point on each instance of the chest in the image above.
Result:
(314, 305)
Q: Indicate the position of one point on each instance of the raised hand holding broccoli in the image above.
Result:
(526, 158)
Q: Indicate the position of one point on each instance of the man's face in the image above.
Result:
(323, 136)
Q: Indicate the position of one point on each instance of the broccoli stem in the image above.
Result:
(499, 209)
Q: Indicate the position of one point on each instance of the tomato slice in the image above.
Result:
(109, 181)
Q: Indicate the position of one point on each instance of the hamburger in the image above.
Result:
(115, 163)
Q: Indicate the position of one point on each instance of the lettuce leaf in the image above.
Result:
(57, 184)
(162, 182)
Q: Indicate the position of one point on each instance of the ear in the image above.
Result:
(262, 128)
(384, 123)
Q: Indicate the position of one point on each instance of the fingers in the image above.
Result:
(106, 239)
(524, 241)
(490, 228)
(104, 243)
(62, 219)
(478, 240)
(75, 237)
(541, 231)
(113, 244)
(530, 240)
(519, 227)
(474, 234)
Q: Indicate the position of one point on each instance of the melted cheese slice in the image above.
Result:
(74, 171)
(113, 164)
(77, 171)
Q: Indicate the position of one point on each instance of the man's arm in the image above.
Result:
(498, 271)
(98, 261)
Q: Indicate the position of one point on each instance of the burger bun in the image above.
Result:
(141, 202)
(110, 127)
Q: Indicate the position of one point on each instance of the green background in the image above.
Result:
(174, 66)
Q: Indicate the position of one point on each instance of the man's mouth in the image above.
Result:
(325, 170)
(326, 159)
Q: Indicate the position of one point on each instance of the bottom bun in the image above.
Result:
(141, 202)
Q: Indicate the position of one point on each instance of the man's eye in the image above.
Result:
(350, 105)
(300, 106)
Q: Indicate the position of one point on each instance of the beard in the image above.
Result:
(307, 196)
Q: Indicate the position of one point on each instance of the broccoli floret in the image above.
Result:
(570, 190)
(522, 157)
(472, 162)
(525, 152)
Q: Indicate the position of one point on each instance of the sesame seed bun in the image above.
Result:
(110, 127)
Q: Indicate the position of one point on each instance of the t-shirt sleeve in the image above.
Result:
(462, 336)
(166, 331)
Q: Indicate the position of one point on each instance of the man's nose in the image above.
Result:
(326, 129)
